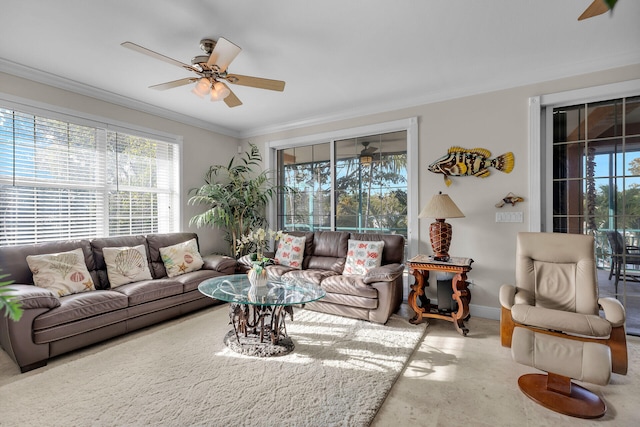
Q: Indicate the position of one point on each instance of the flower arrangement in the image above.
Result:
(260, 239)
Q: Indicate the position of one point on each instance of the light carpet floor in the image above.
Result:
(472, 381)
(181, 373)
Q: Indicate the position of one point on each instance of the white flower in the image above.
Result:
(260, 237)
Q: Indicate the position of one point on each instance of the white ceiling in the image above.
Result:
(339, 58)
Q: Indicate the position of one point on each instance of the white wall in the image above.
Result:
(499, 122)
(201, 148)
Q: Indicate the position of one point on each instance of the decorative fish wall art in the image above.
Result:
(470, 162)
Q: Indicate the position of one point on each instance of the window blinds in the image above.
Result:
(60, 180)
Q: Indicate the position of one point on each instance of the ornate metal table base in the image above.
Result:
(251, 345)
(259, 330)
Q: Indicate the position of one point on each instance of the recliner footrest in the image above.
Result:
(583, 361)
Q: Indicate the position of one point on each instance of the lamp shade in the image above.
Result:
(441, 206)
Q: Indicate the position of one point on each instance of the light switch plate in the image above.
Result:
(509, 217)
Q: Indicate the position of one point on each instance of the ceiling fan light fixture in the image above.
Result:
(221, 89)
(366, 159)
(202, 88)
(215, 96)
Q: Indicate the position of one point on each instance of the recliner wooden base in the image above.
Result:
(560, 394)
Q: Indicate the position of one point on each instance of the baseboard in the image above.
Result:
(485, 312)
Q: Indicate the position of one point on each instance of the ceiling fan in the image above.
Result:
(366, 155)
(211, 71)
(367, 151)
(598, 7)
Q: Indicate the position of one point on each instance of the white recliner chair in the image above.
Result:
(551, 321)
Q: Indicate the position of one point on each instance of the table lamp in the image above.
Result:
(440, 207)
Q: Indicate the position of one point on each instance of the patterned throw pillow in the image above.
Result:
(290, 251)
(181, 258)
(363, 256)
(126, 265)
(63, 273)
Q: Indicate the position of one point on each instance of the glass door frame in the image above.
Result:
(409, 125)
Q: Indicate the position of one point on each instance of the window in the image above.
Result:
(362, 187)
(61, 178)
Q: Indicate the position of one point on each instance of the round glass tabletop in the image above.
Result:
(236, 289)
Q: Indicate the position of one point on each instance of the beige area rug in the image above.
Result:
(180, 373)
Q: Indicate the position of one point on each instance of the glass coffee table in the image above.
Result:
(258, 314)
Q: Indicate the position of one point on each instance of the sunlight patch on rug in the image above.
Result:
(181, 373)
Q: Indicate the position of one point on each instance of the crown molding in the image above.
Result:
(39, 76)
(536, 75)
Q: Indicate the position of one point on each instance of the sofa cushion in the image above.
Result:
(126, 265)
(350, 301)
(308, 244)
(14, 258)
(181, 258)
(97, 246)
(149, 290)
(362, 256)
(348, 285)
(80, 306)
(329, 251)
(309, 275)
(277, 271)
(394, 249)
(290, 251)
(162, 240)
(63, 273)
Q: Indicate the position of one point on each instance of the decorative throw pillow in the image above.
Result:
(363, 256)
(126, 265)
(181, 258)
(290, 251)
(62, 273)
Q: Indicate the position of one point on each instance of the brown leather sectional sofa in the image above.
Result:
(53, 325)
(373, 296)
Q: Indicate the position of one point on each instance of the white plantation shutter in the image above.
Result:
(60, 180)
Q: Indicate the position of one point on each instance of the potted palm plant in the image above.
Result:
(8, 303)
(236, 196)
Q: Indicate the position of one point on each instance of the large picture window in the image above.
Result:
(361, 188)
(63, 180)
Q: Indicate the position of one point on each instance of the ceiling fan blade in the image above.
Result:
(223, 54)
(156, 55)
(231, 100)
(175, 83)
(257, 82)
(598, 7)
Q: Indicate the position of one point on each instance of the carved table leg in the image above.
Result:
(417, 291)
(462, 295)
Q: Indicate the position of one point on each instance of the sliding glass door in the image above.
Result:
(596, 190)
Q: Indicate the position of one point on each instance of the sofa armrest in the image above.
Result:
(384, 273)
(32, 297)
(613, 311)
(221, 263)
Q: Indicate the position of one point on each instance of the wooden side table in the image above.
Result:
(420, 266)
